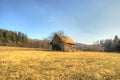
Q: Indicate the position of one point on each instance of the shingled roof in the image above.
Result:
(66, 39)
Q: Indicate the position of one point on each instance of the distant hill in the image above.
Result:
(80, 46)
(85, 47)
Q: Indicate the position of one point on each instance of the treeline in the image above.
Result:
(110, 45)
(107, 45)
(11, 38)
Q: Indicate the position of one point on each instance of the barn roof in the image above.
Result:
(66, 39)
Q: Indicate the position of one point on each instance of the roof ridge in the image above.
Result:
(66, 39)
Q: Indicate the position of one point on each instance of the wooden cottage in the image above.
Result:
(62, 43)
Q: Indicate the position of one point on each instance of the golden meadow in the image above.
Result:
(35, 64)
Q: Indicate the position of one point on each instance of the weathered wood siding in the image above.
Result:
(69, 47)
(59, 45)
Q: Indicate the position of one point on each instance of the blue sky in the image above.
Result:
(85, 21)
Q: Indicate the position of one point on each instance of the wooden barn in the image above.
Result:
(62, 43)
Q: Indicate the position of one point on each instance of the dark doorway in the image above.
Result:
(56, 47)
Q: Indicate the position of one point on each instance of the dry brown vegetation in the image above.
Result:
(33, 64)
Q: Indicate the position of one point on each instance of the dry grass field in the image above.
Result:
(34, 64)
